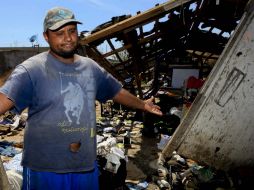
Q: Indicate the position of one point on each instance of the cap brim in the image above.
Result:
(62, 23)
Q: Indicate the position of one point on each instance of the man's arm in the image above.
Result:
(5, 103)
(127, 99)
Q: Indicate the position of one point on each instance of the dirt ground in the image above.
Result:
(142, 153)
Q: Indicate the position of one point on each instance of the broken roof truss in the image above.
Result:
(175, 33)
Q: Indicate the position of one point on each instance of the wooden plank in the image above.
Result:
(113, 48)
(134, 20)
(125, 47)
(95, 54)
(116, 50)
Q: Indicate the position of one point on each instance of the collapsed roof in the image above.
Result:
(181, 33)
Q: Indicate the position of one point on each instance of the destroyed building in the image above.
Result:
(154, 53)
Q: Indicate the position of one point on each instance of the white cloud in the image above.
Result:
(108, 6)
(97, 2)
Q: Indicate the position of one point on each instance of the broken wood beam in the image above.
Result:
(133, 21)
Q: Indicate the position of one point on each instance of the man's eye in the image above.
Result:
(59, 33)
(73, 31)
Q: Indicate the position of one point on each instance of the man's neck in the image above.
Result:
(63, 59)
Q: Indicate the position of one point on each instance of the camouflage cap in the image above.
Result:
(58, 17)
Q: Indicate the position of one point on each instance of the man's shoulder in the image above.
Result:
(89, 63)
(35, 61)
(41, 57)
(86, 60)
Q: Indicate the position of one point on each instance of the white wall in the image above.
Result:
(180, 75)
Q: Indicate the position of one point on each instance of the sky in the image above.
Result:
(22, 19)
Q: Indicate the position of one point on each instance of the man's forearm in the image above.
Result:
(125, 98)
(5, 103)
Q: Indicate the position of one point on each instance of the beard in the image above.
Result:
(64, 54)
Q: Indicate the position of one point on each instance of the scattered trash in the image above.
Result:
(114, 136)
(163, 142)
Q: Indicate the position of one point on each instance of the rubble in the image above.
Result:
(125, 163)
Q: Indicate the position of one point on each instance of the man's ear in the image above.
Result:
(45, 34)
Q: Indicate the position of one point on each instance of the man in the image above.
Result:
(59, 88)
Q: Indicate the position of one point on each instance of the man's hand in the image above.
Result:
(125, 98)
(151, 107)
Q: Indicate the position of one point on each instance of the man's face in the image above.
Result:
(63, 42)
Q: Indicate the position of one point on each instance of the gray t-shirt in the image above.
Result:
(61, 102)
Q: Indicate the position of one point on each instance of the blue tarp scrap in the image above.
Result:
(6, 149)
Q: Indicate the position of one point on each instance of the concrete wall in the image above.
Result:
(10, 57)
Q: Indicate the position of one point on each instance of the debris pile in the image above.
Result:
(11, 123)
(119, 137)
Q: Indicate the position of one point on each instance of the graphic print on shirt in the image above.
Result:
(77, 91)
(78, 103)
(73, 101)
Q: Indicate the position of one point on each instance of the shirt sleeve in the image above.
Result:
(107, 87)
(18, 88)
